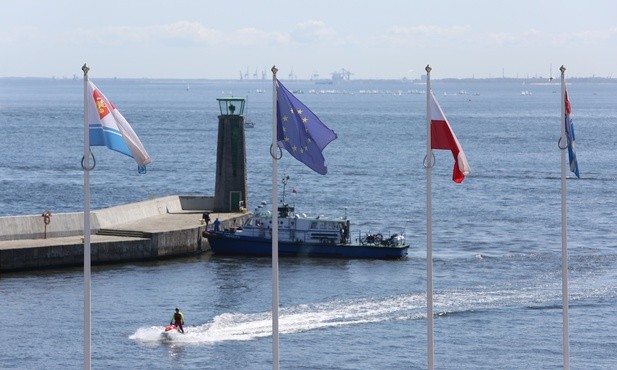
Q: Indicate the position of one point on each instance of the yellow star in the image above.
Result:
(287, 138)
(294, 148)
(299, 111)
(301, 150)
(304, 119)
(292, 111)
(285, 118)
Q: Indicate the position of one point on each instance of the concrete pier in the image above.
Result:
(153, 229)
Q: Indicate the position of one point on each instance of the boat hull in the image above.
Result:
(228, 243)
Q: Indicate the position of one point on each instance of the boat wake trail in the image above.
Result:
(301, 318)
(306, 317)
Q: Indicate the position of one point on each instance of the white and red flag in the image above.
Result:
(442, 137)
(109, 128)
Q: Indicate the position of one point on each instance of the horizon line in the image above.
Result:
(324, 80)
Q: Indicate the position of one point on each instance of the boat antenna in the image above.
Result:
(285, 179)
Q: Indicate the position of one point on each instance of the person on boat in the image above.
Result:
(217, 225)
(178, 320)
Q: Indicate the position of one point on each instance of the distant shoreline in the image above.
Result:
(542, 80)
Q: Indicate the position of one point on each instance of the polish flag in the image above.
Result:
(442, 137)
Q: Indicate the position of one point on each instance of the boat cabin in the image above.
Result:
(297, 228)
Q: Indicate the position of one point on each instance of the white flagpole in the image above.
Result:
(275, 242)
(87, 278)
(428, 164)
(563, 145)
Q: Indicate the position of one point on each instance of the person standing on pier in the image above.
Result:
(206, 217)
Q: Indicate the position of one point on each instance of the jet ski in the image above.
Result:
(171, 331)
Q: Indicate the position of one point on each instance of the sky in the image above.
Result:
(387, 39)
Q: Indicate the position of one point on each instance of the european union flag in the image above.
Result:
(300, 131)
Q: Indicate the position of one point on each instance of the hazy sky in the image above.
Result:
(372, 39)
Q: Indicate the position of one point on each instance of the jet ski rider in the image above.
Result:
(178, 320)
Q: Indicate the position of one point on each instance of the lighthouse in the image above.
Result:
(230, 191)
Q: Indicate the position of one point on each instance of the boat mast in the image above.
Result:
(285, 180)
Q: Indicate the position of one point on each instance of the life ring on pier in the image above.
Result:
(46, 217)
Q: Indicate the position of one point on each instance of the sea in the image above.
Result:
(497, 243)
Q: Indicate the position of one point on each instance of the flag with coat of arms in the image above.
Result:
(107, 127)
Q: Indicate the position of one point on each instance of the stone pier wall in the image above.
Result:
(153, 229)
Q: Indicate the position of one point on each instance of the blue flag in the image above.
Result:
(570, 135)
(300, 131)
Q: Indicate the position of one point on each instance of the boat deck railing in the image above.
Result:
(327, 236)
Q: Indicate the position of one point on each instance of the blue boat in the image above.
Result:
(302, 236)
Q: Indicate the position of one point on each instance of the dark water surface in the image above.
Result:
(496, 236)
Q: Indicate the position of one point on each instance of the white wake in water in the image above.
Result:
(305, 317)
(241, 327)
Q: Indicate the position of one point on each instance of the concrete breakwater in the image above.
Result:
(153, 229)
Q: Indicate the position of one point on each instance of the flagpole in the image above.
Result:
(275, 252)
(87, 273)
(564, 221)
(428, 164)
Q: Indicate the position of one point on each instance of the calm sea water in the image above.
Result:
(496, 236)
